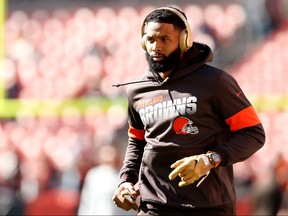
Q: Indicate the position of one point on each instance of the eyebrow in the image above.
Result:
(159, 36)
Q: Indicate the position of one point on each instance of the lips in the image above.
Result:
(157, 58)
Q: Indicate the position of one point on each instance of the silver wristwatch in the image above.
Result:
(214, 158)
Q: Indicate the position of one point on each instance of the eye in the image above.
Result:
(165, 39)
(150, 39)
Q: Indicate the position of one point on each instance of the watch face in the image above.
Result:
(216, 158)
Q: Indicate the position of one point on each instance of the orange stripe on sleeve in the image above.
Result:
(245, 118)
(136, 133)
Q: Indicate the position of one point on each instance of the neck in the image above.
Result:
(166, 74)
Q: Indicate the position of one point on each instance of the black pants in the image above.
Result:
(162, 210)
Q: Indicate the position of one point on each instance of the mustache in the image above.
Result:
(157, 55)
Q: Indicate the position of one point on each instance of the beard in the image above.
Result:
(168, 63)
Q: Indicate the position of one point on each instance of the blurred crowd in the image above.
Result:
(96, 47)
(52, 164)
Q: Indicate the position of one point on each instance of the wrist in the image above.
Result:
(214, 158)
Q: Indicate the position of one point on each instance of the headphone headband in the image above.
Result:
(175, 11)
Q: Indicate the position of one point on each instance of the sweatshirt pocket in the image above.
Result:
(156, 186)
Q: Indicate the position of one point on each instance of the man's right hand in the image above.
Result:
(125, 196)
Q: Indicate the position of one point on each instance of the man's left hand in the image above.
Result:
(191, 169)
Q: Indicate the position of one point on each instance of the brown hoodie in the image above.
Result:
(196, 109)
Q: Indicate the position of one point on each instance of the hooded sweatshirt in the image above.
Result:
(198, 108)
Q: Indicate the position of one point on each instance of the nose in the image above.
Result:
(156, 47)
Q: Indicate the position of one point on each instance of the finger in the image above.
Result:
(124, 203)
(116, 199)
(176, 171)
(130, 203)
(113, 197)
(186, 177)
(125, 207)
(130, 188)
(177, 163)
(120, 204)
(186, 180)
(187, 171)
(129, 198)
(185, 183)
(124, 192)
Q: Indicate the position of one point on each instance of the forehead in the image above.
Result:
(160, 28)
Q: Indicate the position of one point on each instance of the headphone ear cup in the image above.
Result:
(183, 41)
(143, 42)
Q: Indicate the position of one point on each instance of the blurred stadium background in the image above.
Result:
(59, 59)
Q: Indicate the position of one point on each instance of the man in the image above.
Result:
(99, 183)
(188, 124)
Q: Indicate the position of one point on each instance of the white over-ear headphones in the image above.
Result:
(185, 39)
